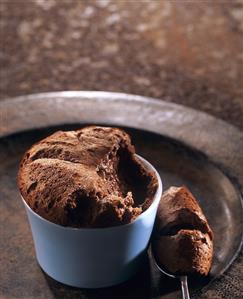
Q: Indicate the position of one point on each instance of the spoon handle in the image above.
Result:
(184, 287)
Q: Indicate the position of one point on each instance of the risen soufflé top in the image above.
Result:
(86, 178)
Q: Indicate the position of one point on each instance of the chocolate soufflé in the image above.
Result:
(183, 239)
(87, 178)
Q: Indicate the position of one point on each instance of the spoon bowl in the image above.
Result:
(182, 278)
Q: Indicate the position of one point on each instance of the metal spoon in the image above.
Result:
(182, 278)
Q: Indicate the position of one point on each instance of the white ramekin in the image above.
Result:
(93, 257)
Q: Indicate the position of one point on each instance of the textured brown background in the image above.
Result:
(181, 51)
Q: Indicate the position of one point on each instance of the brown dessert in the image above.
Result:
(86, 178)
(183, 241)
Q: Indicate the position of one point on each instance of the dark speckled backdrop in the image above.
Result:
(181, 51)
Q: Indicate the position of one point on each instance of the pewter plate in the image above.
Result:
(186, 146)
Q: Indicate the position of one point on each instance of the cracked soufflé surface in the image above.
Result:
(86, 178)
